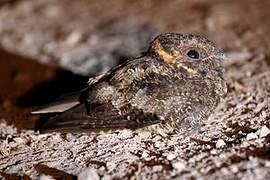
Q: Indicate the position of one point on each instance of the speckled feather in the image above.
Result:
(164, 87)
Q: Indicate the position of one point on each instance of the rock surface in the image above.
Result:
(127, 154)
(222, 149)
(68, 34)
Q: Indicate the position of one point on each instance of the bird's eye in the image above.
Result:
(193, 54)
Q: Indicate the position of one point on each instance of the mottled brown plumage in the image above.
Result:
(176, 84)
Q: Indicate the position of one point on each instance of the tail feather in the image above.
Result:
(61, 104)
(70, 120)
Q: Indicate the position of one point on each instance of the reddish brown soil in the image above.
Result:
(18, 76)
(25, 84)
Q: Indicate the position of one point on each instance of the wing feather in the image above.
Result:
(97, 109)
(106, 118)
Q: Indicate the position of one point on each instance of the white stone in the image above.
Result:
(220, 143)
(106, 177)
(145, 154)
(179, 165)
(251, 136)
(157, 168)
(88, 174)
(267, 164)
(19, 140)
(73, 38)
(264, 131)
(46, 177)
(245, 144)
(144, 134)
(158, 144)
(111, 166)
(171, 156)
(125, 134)
(213, 152)
(156, 138)
(234, 168)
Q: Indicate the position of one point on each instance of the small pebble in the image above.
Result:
(73, 38)
(234, 168)
(267, 164)
(171, 156)
(111, 166)
(156, 138)
(88, 174)
(145, 154)
(264, 131)
(158, 144)
(46, 177)
(251, 136)
(213, 152)
(144, 134)
(179, 165)
(220, 143)
(125, 134)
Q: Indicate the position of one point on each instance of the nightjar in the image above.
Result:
(176, 85)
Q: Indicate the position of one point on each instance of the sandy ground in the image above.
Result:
(233, 144)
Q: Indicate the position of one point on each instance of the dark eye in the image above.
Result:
(193, 54)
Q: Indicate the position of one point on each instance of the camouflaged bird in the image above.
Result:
(176, 84)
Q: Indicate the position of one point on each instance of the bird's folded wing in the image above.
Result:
(105, 117)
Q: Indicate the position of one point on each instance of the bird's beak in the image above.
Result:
(221, 56)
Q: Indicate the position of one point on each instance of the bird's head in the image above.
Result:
(192, 53)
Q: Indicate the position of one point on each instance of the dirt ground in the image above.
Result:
(42, 41)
